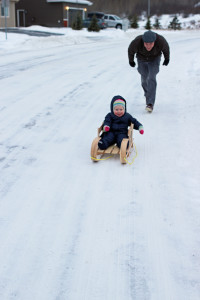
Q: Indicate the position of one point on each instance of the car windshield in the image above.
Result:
(116, 17)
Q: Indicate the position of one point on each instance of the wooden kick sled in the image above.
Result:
(123, 152)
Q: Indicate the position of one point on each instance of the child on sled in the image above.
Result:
(115, 126)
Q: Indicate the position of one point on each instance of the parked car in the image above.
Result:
(105, 20)
(113, 21)
(102, 24)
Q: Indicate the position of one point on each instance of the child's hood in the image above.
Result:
(116, 98)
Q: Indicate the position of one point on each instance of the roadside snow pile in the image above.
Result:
(191, 22)
(69, 37)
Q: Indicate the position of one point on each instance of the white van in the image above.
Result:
(113, 21)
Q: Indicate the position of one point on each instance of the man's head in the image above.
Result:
(149, 38)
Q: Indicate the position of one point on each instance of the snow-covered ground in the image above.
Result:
(71, 229)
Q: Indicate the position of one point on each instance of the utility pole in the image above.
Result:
(149, 9)
(5, 5)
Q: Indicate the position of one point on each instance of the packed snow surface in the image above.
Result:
(72, 229)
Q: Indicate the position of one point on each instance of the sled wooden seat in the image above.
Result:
(123, 152)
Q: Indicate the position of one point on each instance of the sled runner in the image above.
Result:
(123, 152)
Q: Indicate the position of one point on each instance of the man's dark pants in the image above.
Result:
(148, 71)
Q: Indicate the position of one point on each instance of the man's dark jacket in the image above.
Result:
(137, 47)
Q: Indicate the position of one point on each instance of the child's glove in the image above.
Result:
(106, 128)
(141, 130)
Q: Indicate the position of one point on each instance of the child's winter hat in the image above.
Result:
(119, 102)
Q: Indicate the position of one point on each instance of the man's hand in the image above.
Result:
(132, 63)
(166, 61)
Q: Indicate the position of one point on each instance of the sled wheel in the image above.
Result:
(123, 151)
(94, 149)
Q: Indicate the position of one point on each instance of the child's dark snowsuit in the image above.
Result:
(118, 127)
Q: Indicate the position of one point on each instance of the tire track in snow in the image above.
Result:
(11, 69)
(156, 261)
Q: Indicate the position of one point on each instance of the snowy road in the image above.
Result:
(71, 229)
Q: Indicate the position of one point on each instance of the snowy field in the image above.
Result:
(71, 229)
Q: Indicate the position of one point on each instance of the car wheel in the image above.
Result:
(118, 26)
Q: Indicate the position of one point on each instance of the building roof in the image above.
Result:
(72, 1)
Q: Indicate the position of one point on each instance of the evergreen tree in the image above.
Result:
(175, 24)
(77, 24)
(157, 24)
(94, 24)
(134, 22)
(148, 24)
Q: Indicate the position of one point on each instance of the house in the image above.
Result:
(7, 15)
(50, 13)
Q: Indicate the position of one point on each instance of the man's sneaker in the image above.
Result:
(149, 107)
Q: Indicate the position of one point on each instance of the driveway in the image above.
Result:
(30, 32)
